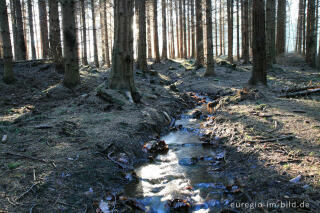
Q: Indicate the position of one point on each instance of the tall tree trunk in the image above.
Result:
(259, 73)
(281, 27)
(106, 36)
(14, 28)
(155, 31)
(184, 30)
(230, 29)
(8, 76)
(270, 32)
(304, 28)
(181, 29)
(177, 27)
(25, 27)
(311, 35)
(84, 34)
(33, 48)
(300, 27)
(216, 26)
(199, 31)
(95, 48)
(142, 45)
(220, 27)
(189, 28)
(164, 32)
(193, 54)
(122, 57)
(70, 46)
(102, 18)
(245, 33)
(43, 28)
(210, 62)
(55, 38)
(21, 45)
(172, 30)
(238, 32)
(149, 28)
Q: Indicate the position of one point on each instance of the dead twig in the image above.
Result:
(26, 192)
(114, 161)
(271, 139)
(25, 156)
(301, 93)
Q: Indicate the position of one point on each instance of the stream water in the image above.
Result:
(185, 175)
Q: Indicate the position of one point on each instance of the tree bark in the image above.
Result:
(95, 48)
(33, 48)
(102, 18)
(55, 38)
(70, 46)
(270, 32)
(84, 34)
(8, 76)
(106, 36)
(184, 30)
(193, 54)
(164, 31)
(181, 29)
(230, 30)
(220, 27)
(148, 6)
(199, 31)
(245, 33)
(177, 27)
(142, 45)
(155, 31)
(122, 57)
(172, 30)
(311, 35)
(21, 45)
(14, 28)
(216, 25)
(281, 27)
(238, 32)
(259, 74)
(210, 62)
(43, 28)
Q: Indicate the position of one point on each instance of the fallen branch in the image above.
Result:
(25, 156)
(270, 140)
(26, 192)
(301, 89)
(302, 93)
(114, 161)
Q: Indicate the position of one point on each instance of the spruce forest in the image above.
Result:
(159, 106)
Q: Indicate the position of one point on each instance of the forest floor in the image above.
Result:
(64, 150)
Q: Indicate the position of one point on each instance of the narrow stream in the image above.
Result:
(184, 178)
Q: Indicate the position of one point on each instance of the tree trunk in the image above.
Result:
(270, 32)
(55, 38)
(155, 31)
(181, 29)
(102, 18)
(184, 30)
(149, 28)
(84, 34)
(70, 46)
(216, 25)
(245, 33)
(164, 32)
(238, 32)
(21, 45)
(193, 54)
(304, 28)
(106, 36)
(122, 57)
(14, 28)
(220, 27)
(33, 48)
(142, 45)
(281, 27)
(8, 76)
(189, 28)
(299, 27)
(311, 35)
(43, 20)
(199, 31)
(172, 30)
(95, 48)
(259, 73)
(177, 27)
(210, 62)
(230, 30)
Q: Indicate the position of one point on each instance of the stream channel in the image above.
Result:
(183, 179)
